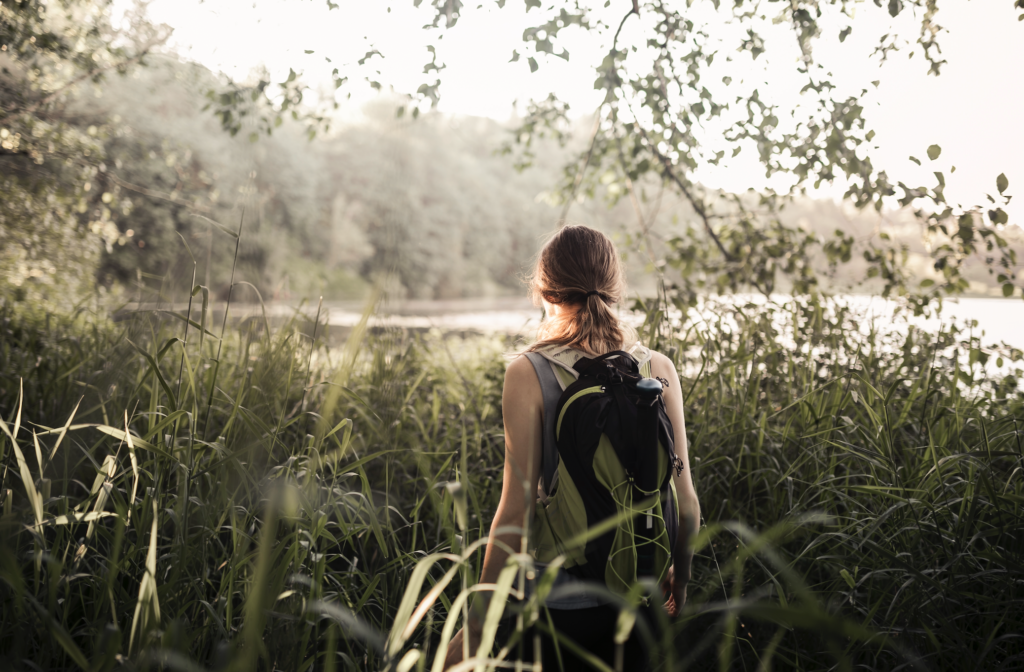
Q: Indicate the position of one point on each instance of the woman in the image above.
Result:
(578, 278)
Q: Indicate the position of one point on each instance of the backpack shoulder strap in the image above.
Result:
(563, 359)
(551, 390)
(641, 354)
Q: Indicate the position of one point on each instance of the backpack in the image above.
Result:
(613, 460)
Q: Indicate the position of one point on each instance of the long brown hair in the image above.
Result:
(580, 267)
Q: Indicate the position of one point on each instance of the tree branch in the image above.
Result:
(597, 121)
(697, 206)
(635, 10)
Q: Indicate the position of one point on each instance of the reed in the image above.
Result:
(862, 491)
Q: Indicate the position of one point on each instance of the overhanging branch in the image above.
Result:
(697, 206)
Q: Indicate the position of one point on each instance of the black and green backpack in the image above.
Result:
(612, 458)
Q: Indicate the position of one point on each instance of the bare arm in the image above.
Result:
(689, 506)
(522, 404)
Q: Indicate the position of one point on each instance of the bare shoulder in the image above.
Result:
(663, 366)
(522, 400)
(520, 369)
(521, 378)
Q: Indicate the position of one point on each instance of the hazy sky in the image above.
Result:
(972, 110)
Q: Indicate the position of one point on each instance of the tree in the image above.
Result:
(54, 223)
(676, 99)
(661, 118)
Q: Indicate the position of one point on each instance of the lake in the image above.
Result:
(1001, 320)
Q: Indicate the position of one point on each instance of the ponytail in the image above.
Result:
(580, 267)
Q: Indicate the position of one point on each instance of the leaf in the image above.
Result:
(120, 435)
(21, 400)
(372, 513)
(64, 431)
(135, 466)
(158, 373)
(1002, 183)
(72, 518)
(39, 454)
(499, 598)
(998, 216)
(844, 33)
(191, 323)
(61, 635)
(934, 151)
(915, 160)
(218, 225)
(515, 57)
(147, 608)
(101, 492)
(408, 660)
(263, 306)
(894, 7)
(1008, 290)
(624, 626)
(458, 494)
(350, 621)
(408, 615)
(533, 64)
(202, 315)
(34, 497)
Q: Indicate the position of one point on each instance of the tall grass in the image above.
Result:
(907, 457)
(255, 537)
(285, 506)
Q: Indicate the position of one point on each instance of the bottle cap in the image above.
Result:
(649, 387)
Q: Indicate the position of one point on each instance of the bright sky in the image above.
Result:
(972, 110)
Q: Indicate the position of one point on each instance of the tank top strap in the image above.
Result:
(551, 389)
(563, 358)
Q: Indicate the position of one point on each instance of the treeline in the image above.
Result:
(158, 184)
(426, 199)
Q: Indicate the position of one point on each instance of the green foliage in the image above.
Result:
(662, 118)
(382, 195)
(207, 493)
(897, 438)
(139, 166)
(57, 217)
(254, 517)
(436, 208)
(52, 229)
(177, 495)
(116, 179)
(186, 179)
